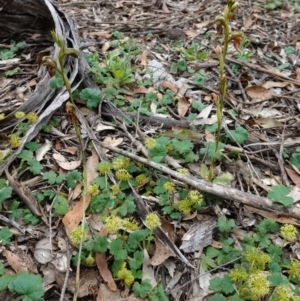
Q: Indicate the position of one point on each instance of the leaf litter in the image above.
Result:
(263, 93)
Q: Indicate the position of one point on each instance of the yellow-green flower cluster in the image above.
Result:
(238, 274)
(289, 232)
(169, 187)
(195, 197)
(283, 293)
(258, 284)
(2, 116)
(130, 224)
(104, 167)
(123, 175)
(184, 206)
(94, 189)
(90, 260)
(77, 235)
(150, 143)
(15, 141)
(152, 221)
(115, 189)
(140, 179)
(121, 163)
(257, 259)
(32, 117)
(126, 275)
(113, 224)
(294, 269)
(184, 171)
(19, 115)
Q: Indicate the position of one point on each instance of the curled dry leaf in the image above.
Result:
(258, 92)
(15, 262)
(104, 271)
(148, 271)
(64, 163)
(161, 253)
(43, 149)
(73, 218)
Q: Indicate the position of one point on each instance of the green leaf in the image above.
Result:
(12, 72)
(137, 261)
(209, 149)
(127, 207)
(224, 224)
(50, 176)
(92, 96)
(190, 157)
(25, 155)
(182, 146)
(32, 146)
(35, 166)
(101, 244)
(28, 285)
(16, 212)
(239, 135)
(277, 279)
(212, 252)
(117, 250)
(142, 290)
(61, 205)
(100, 182)
(218, 297)
(135, 238)
(5, 280)
(5, 235)
(5, 193)
(207, 262)
(56, 82)
(219, 284)
(204, 171)
(224, 179)
(279, 194)
(73, 177)
(295, 159)
(200, 78)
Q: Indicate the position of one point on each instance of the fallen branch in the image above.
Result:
(225, 192)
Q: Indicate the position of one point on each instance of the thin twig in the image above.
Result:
(215, 189)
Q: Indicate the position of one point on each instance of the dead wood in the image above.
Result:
(30, 16)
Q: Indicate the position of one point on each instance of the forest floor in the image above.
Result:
(173, 210)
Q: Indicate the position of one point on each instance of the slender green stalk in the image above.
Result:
(222, 22)
(71, 116)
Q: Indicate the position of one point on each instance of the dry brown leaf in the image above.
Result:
(170, 86)
(17, 263)
(104, 271)
(105, 294)
(101, 33)
(144, 59)
(297, 72)
(295, 177)
(273, 215)
(258, 92)
(249, 22)
(161, 253)
(271, 84)
(106, 46)
(112, 142)
(64, 163)
(73, 218)
(91, 164)
(183, 106)
(70, 149)
(268, 122)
